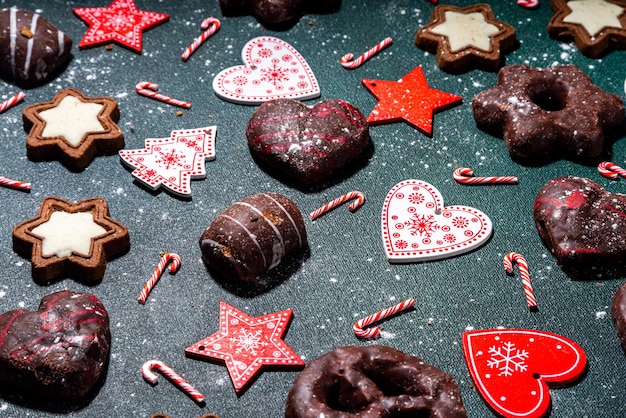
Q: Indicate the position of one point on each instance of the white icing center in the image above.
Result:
(594, 15)
(466, 29)
(71, 119)
(65, 233)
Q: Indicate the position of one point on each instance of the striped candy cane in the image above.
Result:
(211, 25)
(12, 101)
(378, 316)
(522, 265)
(464, 175)
(529, 4)
(360, 199)
(611, 170)
(347, 61)
(152, 378)
(14, 184)
(165, 259)
(148, 89)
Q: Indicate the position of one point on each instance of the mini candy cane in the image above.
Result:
(522, 265)
(14, 184)
(611, 170)
(211, 25)
(175, 378)
(360, 199)
(148, 89)
(12, 101)
(466, 176)
(529, 4)
(165, 259)
(385, 313)
(347, 60)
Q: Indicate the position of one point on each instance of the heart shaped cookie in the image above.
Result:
(307, 144)
(581, 223)
(60, 350)
(416, 226)
(511, 368)
(272, 69)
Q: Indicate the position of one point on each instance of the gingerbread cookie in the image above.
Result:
(278, 13)
(70, 239)
(595, 26)
(307, 144)
(32, 50)
(548, 113)
(72, 128)
(59, 350)
(618, 313)
(464, 38)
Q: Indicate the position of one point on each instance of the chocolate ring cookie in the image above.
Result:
(547, 113)
(374, 381)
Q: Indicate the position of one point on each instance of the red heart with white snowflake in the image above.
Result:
(511, 367)
(272, 69)
(416, 226)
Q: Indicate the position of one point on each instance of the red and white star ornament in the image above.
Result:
(173, 162)
(247, 344)
(409, 99)
(120, 22)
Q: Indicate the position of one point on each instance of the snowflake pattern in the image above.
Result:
(169, 160)
(424, 225)
(265, 52)
(416, 198)
(118, 21)
(507, 359)
(248, 342)
(274, 75)
(401, 244)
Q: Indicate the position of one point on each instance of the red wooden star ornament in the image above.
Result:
(121, 22)
(247, 344)
(409, 99)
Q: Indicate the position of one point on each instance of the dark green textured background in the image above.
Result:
(346, 275)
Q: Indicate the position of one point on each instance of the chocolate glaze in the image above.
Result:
(277, 12)
(60, 350)
(372, 382)
(618, 313)
(253, 236)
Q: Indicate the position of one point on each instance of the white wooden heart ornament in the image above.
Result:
(416, 226)
(272, 69)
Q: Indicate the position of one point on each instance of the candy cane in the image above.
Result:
(466, 176)
(611, 170)
(522, 265)
(12, 101)
(360, 199)
(211, 25)
(165, 259)
(148, 89)
(175, 378)
(347, 60)
(14, 184)
(529, 4)
(380, 315)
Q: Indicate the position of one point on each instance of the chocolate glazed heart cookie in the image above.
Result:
(304, 143)
(581, 223)
(60, 350)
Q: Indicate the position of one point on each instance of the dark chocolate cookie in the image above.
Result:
(618, 313)
(60, 350)
(307, 144)
(277, 12)
(253, 236)
(373, 382)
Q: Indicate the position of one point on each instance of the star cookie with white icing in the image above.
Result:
(595, 26)
(70, 240)
(464, 38)
(73, 129)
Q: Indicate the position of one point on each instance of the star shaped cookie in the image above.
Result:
(595, 26)
(247, 344)
(464, 38)
(72, 128)
(120, 22)
(70, 239)
(409, 99)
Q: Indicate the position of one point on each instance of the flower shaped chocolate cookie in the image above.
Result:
(548, 113)
(70, 239)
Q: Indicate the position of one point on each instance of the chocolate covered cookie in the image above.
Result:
(59, 350)
(548, 113)
(31, 48)
(618, 313)
(253, 236)
(372, 382)
(275, 13)
(307, 144)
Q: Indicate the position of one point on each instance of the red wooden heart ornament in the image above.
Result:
(512, 367)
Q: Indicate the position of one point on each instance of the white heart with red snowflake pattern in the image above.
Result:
(416, 226)
(273, 70)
